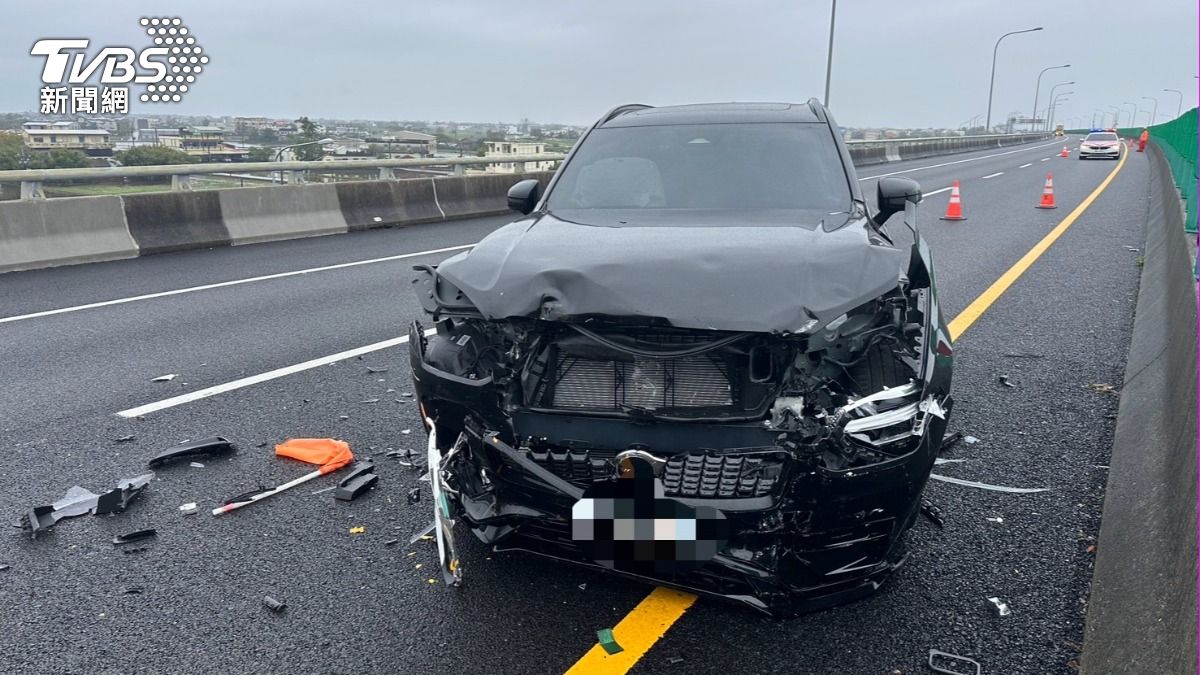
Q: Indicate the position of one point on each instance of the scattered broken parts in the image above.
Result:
(274, 605)
(115, 500)
(1002, 607)
(134, 537)
(1004, 381)
(208, 447)
(361, 478)
(78, 501)
(953, 664)
(414, 495)
(609, 643)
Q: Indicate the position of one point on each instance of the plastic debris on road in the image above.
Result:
(214, 446)
(357, 529)
(276, 606)
(188, 509)
(970, 440)
(1004, 381)
(933, 513)
(1001, 607)
(165, 378)
(607, 642)
(133, 537)
(997, 519)
(986, 486)
(950, 441)
(953, 664)
(196, 465)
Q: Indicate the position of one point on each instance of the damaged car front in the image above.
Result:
(702, 302)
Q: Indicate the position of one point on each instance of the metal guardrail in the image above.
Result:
(31, 180)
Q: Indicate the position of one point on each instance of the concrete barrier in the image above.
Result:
(461, 196)
(281, 212)
(383, 203)
(174, 221)
(45, 233)
(1141, 615)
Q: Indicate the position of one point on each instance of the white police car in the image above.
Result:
(1100, 144)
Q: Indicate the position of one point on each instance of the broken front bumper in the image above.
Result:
(800, 536)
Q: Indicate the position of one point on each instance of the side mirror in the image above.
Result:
(892, 193)
(523, 196)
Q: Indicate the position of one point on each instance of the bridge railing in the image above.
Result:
(32, 181)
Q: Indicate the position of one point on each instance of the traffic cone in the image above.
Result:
(954, 208)
(1065, 152)
(1048, 194)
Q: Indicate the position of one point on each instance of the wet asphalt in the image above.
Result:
(359, 603)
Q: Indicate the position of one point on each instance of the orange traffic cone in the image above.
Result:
(1048, 194)
(1065, 152)
(954, 208)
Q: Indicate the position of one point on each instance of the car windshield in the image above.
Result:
(1102, 137)
(768, 172)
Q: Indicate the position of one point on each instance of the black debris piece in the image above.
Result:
(951, 440)
(134, 537)
(352, 488)
(139, 549)
(115, 500)
(1024, 355)
(953, 664)
(357, 469)
(933, 513)
(391, 542)
(133, 590)
(274, 605)
(1004, 381)
(372, 369)
(414, 495)
(208, 447)
(245, 496)
(674, 660)
(3, 567)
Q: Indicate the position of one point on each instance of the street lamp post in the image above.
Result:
(1154, 114)
(1179, 106)
(1060, 84)
(992, 81)
(1133, 117)
(1054, 106)
(1038, 89)
(279, 153)
(1116, 115)
(829, 58)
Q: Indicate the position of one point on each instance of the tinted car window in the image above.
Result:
(1101, 137)
(705, 167)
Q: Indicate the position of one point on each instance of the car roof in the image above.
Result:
(713, 113)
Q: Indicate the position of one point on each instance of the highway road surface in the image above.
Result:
(276, 340)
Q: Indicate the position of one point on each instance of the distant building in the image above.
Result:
(62, 136)
(207, 143)
(347, 147)
(515, 148)
(406, 143)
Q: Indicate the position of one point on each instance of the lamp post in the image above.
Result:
(992, 81)
(1116, 115)
(279, 153)
(829, 58)
(1133, 117)
(1054, 106)
(1060, 84)
(1038, 89)
(1179, 106)
(1154, 114)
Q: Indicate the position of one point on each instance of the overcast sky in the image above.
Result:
(905, 63)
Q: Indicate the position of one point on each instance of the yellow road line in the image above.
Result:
(971, 314)
(636, 633)
(654, 616)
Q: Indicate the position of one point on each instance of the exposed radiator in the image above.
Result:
(652, 384)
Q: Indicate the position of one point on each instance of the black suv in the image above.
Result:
(699, 360)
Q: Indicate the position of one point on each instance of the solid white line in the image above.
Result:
(960, 161)
(1025, 165)
(945, 189)
(262, 377)
(223, 284)
(992, 175)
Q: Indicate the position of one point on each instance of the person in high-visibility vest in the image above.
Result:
(1142, 140)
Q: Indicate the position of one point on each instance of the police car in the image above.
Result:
(1100, 143)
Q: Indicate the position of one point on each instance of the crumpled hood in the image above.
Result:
(760, 279)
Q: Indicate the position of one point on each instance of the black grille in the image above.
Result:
(694, 475)
(651, 384)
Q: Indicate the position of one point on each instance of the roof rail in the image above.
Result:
(621, 110)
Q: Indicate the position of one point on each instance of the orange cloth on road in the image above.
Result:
(328, 453)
